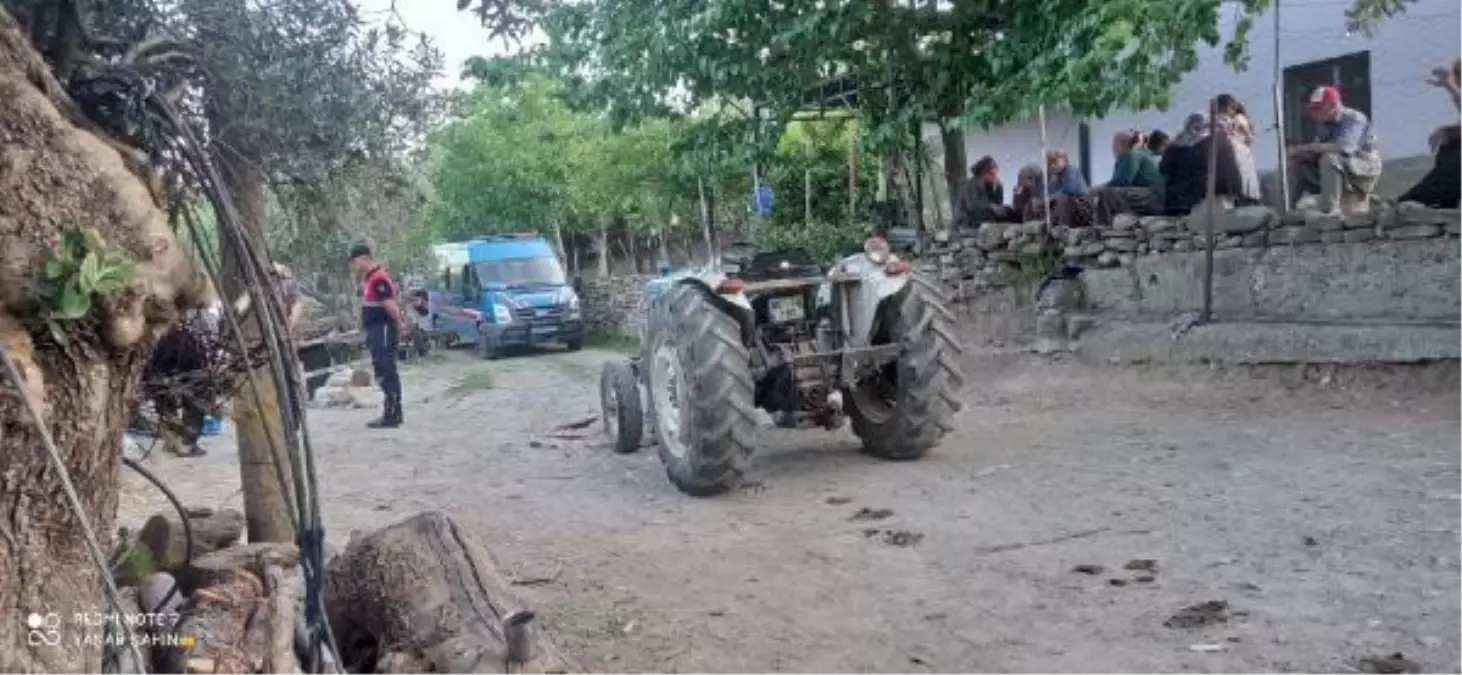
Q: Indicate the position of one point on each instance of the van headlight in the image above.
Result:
(574, 311)
(501, 314)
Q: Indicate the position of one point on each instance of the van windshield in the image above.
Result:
(520, 272)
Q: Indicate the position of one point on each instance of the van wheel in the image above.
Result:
(486, 349)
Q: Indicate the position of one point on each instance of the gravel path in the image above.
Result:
(1325, 516)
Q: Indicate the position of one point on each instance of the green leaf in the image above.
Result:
(90, 271)
(54, 270)
(57, 333)
(113, 279)
(92, 240)
(74, 303)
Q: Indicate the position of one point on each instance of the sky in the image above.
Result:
(459, 35)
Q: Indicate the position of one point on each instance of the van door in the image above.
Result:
(457, 305)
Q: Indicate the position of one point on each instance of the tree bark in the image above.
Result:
(604, 250)
(427, 588)
(955, 162)
(55, 171)
(634, 253)
(264, 471)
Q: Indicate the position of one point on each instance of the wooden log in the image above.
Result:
(223, 565)
(164, 536)
(426, 589)
(241, 612)
(286, 588)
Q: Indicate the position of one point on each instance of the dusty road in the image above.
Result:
(1327, 519)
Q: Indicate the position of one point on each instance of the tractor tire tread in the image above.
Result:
(930, 377)
(618, 378)
(719, 420)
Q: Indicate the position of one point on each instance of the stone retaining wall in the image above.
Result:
(1393, 272)
(1397, 265)
(611, 305)
(999, 254)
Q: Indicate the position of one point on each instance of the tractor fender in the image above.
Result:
(874, 286)
(735, 305)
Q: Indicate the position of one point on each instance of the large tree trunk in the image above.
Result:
(264, 471)
(56, 171)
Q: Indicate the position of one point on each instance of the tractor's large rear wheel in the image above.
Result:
(699, 377)
(906, 409)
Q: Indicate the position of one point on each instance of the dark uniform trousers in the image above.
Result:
(383, 341)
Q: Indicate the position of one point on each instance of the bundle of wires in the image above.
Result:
(179, 156)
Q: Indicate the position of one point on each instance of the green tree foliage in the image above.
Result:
(982, 62)
(520, 153)
(1364, 16)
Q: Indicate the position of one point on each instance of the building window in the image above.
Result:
(1350, 72)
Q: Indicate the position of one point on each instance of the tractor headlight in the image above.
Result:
(501, 314)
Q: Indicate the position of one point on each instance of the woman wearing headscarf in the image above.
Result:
(1184, 166)
(1030, 192)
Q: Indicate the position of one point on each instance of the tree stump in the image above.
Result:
(425, 593)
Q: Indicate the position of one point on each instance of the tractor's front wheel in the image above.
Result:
(619, 402)
(905, 410)
(699, 377)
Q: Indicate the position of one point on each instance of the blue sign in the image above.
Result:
(762, 200)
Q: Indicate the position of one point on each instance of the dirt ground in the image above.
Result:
(1323, 512)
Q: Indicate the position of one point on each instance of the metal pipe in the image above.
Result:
(700, 188)
(1279, 118)
(1211, 213)
(1045, 167)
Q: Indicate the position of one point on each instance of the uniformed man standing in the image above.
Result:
(382, 322)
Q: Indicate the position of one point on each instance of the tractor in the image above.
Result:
(868, 342)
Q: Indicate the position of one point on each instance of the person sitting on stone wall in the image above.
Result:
(1343, 165)
(1030, 192)
(1184, 167)
(1442, 186)
(1157, 142)
(1449, 78)
(1136, 186)
(983, 200)
(1233, 120)
(1066, 194)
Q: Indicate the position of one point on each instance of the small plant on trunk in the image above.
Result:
(80, 270)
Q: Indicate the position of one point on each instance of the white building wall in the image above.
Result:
(1404, 108)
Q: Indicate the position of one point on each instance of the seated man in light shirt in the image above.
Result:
(1343, 165)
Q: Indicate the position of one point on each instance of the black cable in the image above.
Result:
(305, 509)
(182, 516)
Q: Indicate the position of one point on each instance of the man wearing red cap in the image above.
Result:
(1342, 166)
